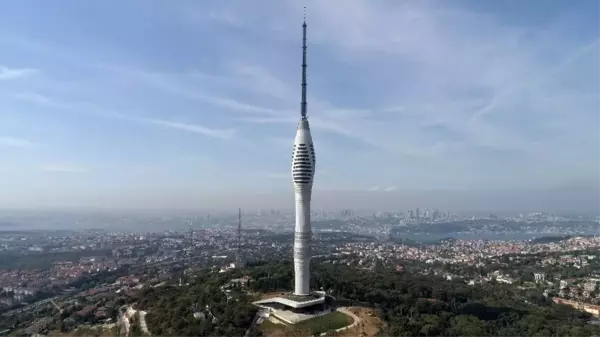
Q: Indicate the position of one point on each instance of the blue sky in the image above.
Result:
(114, 103)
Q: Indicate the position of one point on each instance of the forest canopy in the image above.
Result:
(412, 305)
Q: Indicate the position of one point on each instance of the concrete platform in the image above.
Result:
(292, 309)
(293, 302)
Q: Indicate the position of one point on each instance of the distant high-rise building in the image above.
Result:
(303, 171)
(418, 214)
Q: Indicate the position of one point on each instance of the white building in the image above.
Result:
(539, 277)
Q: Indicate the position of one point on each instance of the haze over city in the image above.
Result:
(462, 105)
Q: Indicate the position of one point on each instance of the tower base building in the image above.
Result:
(291, 309)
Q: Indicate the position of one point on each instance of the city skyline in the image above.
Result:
(461, 105)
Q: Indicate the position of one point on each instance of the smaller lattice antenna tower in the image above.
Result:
(187, 263)
(239, 258)
(191, 245)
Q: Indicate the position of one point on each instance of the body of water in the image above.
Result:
(486, 236)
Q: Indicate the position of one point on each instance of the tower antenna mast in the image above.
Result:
(303, 102)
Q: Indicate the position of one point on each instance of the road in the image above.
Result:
(29, 307)
(259, 318)
(143, 325)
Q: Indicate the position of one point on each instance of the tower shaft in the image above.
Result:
(302, 244)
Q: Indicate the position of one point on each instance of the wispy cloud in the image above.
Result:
(34, 97)
(358, 124)
(15, 142)
(178, 84)
(377, 188)
(259, 79)
(15, 73)
(279, 175)
(225, 16)
(95, 110)
(397, 90)
(224, 134)
(195, 128)
(240, 106)
(63, 168)
(351, 123)
(45, 101)
(457, 65)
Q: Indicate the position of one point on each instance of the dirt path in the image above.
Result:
(365, 323)
(368, 323)
(355, 318)
(143, 325)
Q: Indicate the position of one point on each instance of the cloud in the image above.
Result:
(448, 73)
(225, 134)
(63, 168)
(34, 97)
(259, 79)
(427, 95)
(15, 73)
(225, 17)
(15, 142)
(377, 188)
(350, 123)
(232, 104)
(358, 124)
(268, 120)
(178, 84)
(510, 90)
(279, 175)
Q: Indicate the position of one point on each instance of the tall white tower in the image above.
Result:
(303, 171)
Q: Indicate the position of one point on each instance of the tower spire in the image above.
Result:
(303, 103)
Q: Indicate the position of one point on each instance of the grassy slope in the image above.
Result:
(317, 325)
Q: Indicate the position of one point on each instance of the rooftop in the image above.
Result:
(295, 301)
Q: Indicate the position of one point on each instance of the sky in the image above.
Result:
(192, 104)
